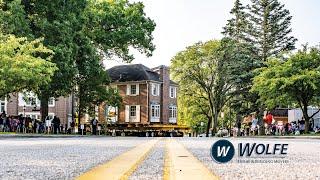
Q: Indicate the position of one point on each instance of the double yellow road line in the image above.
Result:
(179, 164)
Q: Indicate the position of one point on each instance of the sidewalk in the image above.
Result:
(283, 137)
(15, 135)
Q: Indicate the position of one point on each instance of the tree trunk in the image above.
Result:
(208, 127)
(215, 122)
(306, 118)
(260, 122)
(44, 109)
(79, 108)
(238, 117)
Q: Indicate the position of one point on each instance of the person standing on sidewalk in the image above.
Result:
(56, 124)
(1, 123)
(94, 124)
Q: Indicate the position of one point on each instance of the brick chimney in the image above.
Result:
(164, 73)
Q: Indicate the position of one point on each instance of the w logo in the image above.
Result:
(222, 151)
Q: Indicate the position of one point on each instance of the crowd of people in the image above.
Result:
(22, 124)
(271, 127)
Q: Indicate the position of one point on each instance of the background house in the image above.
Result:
(149, 96)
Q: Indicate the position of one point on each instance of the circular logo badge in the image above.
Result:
(222, 151)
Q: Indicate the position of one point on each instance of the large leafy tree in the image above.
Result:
(56, 22)
(110, 28)
(270, 30)
(204, 72)
(81, 33)
(292, 81)
(24, 65)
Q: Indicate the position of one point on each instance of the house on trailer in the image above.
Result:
(149, 96)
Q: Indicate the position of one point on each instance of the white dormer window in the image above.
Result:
(133, 89)
(173, 92)
(155, 88)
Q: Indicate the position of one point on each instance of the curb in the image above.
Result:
(280, 137)
(7, 136)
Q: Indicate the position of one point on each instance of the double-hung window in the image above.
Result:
(173, 92)
(132, 89)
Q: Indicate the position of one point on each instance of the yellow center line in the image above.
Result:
(122, 166)
(181, 164)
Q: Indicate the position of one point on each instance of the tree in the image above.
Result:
(24, 65)
(270, 30)
(237, 27)
(204, 73)
(56, 22)
(259, 31)
(197, 109)
(292, 81)
(108, 28)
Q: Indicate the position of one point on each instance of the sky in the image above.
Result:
(181, 23)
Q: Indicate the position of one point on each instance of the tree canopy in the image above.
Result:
(206, 75)
(292, 81)
(24, 65)
(270, 28)
(81, 33)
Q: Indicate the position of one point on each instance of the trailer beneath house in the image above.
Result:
(147, 130)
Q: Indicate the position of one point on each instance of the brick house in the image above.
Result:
(149, 96)
(16, 104)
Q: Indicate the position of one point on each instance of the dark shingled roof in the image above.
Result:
(133, 72)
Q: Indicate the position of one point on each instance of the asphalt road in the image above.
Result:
(301, 162)
(68, 158)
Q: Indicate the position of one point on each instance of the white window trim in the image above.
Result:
(171, 114)
(174, 95)
(128, 117)
(129, 90)
(155, 118)
(157, 87)
(132, 117)
(5, 105)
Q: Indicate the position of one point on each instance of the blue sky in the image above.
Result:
(181, 23)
